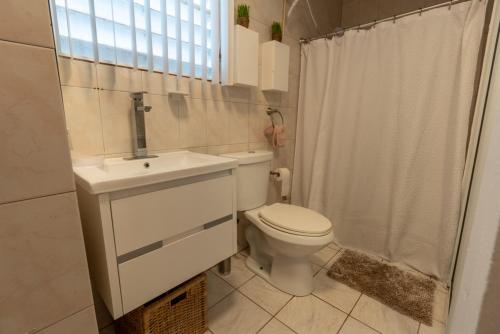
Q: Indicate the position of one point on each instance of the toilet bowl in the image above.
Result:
(282, 237)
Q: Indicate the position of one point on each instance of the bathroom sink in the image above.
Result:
(118, 174)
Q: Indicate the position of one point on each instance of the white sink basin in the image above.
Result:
(117, 173)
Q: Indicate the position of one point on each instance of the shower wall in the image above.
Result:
(326, 13)
(355, 12)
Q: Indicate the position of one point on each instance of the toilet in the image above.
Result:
(282, 237)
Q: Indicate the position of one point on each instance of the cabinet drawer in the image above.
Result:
(147, 276)
(147, 218)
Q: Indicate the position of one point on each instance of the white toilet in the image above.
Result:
(282, 237)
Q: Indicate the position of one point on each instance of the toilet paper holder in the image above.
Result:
(273, 173)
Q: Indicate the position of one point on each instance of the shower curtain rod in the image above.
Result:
(340, 31)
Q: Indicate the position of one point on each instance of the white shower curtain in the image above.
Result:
(382, 132)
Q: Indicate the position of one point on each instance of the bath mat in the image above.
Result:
(407, 293)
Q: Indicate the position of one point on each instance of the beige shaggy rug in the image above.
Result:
(405, 292)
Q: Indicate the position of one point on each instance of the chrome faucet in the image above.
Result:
(138, 126)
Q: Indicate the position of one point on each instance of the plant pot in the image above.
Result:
(277, 36)
(243, 21)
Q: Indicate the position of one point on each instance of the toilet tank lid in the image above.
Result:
(250, 157)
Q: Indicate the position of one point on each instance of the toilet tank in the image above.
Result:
(252, 178)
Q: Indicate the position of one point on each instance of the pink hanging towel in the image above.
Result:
(276, 133)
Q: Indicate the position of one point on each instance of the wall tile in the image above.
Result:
(26, 21)
(116, 121)
(83, 117)
(236, 94)
(192, 120)
(41, 244)
(83, 322)
(368, 11)
(205, 90)
(217, 150)
(264, 11)
(218, 117)
(350, 13)
(36, 160)
(77, 73)
(157, 83)
(291, 98)
(294, 54)
(238, 123)
(258, 121)
(290, 116)
(162, 122)
(119, 78)
(299, 23)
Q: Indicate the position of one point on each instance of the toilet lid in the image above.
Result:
(295, 219)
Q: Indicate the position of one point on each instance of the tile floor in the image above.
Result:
(242, 303)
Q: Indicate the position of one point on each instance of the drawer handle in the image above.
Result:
(178, 299)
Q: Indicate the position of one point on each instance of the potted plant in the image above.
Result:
(276, 32)
(243, 15)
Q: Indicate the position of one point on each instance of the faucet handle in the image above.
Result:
(137, 95)
(144, 108)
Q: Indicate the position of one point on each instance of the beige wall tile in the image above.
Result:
(26, 21)
(192, 120)
(83, 322)
(157, 83)
(236, 94)
(264, 11)
(218, 117)
(238, 123)
(116, 121)
(291, 98)
(258, 121)
(217, 150)
(34, 143)
(77, 73)
(83, 118)
(119, 78)
(41, 244)
(350, 13)
(162, 122)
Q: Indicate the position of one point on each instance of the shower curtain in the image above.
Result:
(382, 133)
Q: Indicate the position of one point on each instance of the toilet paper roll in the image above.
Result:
(283, 175)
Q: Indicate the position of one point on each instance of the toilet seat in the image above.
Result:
(295, 220)
(284, 235)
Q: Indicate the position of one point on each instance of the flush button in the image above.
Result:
(146, 164)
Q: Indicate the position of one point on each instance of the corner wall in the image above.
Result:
(44, 281)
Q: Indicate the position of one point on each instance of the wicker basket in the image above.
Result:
(181, 311)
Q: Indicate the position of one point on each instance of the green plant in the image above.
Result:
(276, 28)
(243, 10)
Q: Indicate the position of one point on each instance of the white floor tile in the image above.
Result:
(333, 259)
(311, 315)
(275, 327)
(437, 328)
(440, 305)
(322, 257)
(353, 326)
(383, 318)
(239, 271)
(334, 246)
(236, 314)
(265, 295)
(316, 268)
(217, 288)
(334, 292)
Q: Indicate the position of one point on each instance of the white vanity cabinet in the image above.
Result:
(143, 241)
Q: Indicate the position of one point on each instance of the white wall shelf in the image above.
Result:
(275, 63)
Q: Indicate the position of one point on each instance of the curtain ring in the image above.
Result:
(420, 13)
(449, 6)
(359, 27)
(394, 19)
